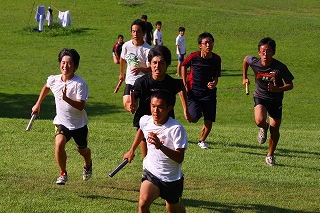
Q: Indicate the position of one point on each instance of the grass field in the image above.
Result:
(229, 177)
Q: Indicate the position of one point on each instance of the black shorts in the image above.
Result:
(274, 108)
(127, 89)
(207, 108)
(80, 136)
(170, 191)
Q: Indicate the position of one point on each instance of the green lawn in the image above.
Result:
(229, 177)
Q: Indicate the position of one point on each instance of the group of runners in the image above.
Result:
(150, 94)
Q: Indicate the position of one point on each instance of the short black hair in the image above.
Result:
(161, 51)
(182, 29)
(120, 36)
(144, 17)
(140, 23)
(72, 53)
(205, 35)
(164, 95)
(158, 23)
(267, 40)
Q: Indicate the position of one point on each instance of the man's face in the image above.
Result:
(120, 40)
(158, 68)
(136, 33)
(266, 53)
(206, 45)
(159, 111)
(67, 67)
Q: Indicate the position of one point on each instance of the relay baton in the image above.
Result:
(33, 117)
(247, 89)
(120, 166)
(132, 101)
(118, 86)
(132, 96)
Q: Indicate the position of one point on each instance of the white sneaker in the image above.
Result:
(270, 160)
(203, 145)
(262, 135)
(62, 179)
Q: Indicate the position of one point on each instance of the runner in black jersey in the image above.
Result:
(272, 78)
(160, 59)
(201, 82)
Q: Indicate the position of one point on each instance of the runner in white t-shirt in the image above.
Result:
(70, 93)
(157, 34)
(135, 54)
(166, 142)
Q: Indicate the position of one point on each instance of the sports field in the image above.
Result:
(230, 177)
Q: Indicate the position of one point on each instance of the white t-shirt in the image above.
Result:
(172, 135)
(157, 35)
(77, 89)
(135, 56)
(182, 43)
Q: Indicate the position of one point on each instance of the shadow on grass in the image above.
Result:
(94, 197)
(172, 71)
(280, 151)
(230, 208)
(231, 73)
(212, 206)
(55, 30)
(19, 106)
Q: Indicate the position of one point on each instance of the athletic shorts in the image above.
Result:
(170, 191)
(80, 136)
(199, 108)
(274, 108)
(127, 89)
(181, 59)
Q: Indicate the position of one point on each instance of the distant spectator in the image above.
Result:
(181, 48)
(148, 36)
(157, 34)
(116, 50)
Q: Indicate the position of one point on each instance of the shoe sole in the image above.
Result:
(262, 141)
(61, 183)
(199, 144)
(85, 179)
(203, 147)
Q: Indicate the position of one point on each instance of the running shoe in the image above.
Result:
(62, 179)
(203, 145)
(262, 135)
(87, 172)
(270, 160)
